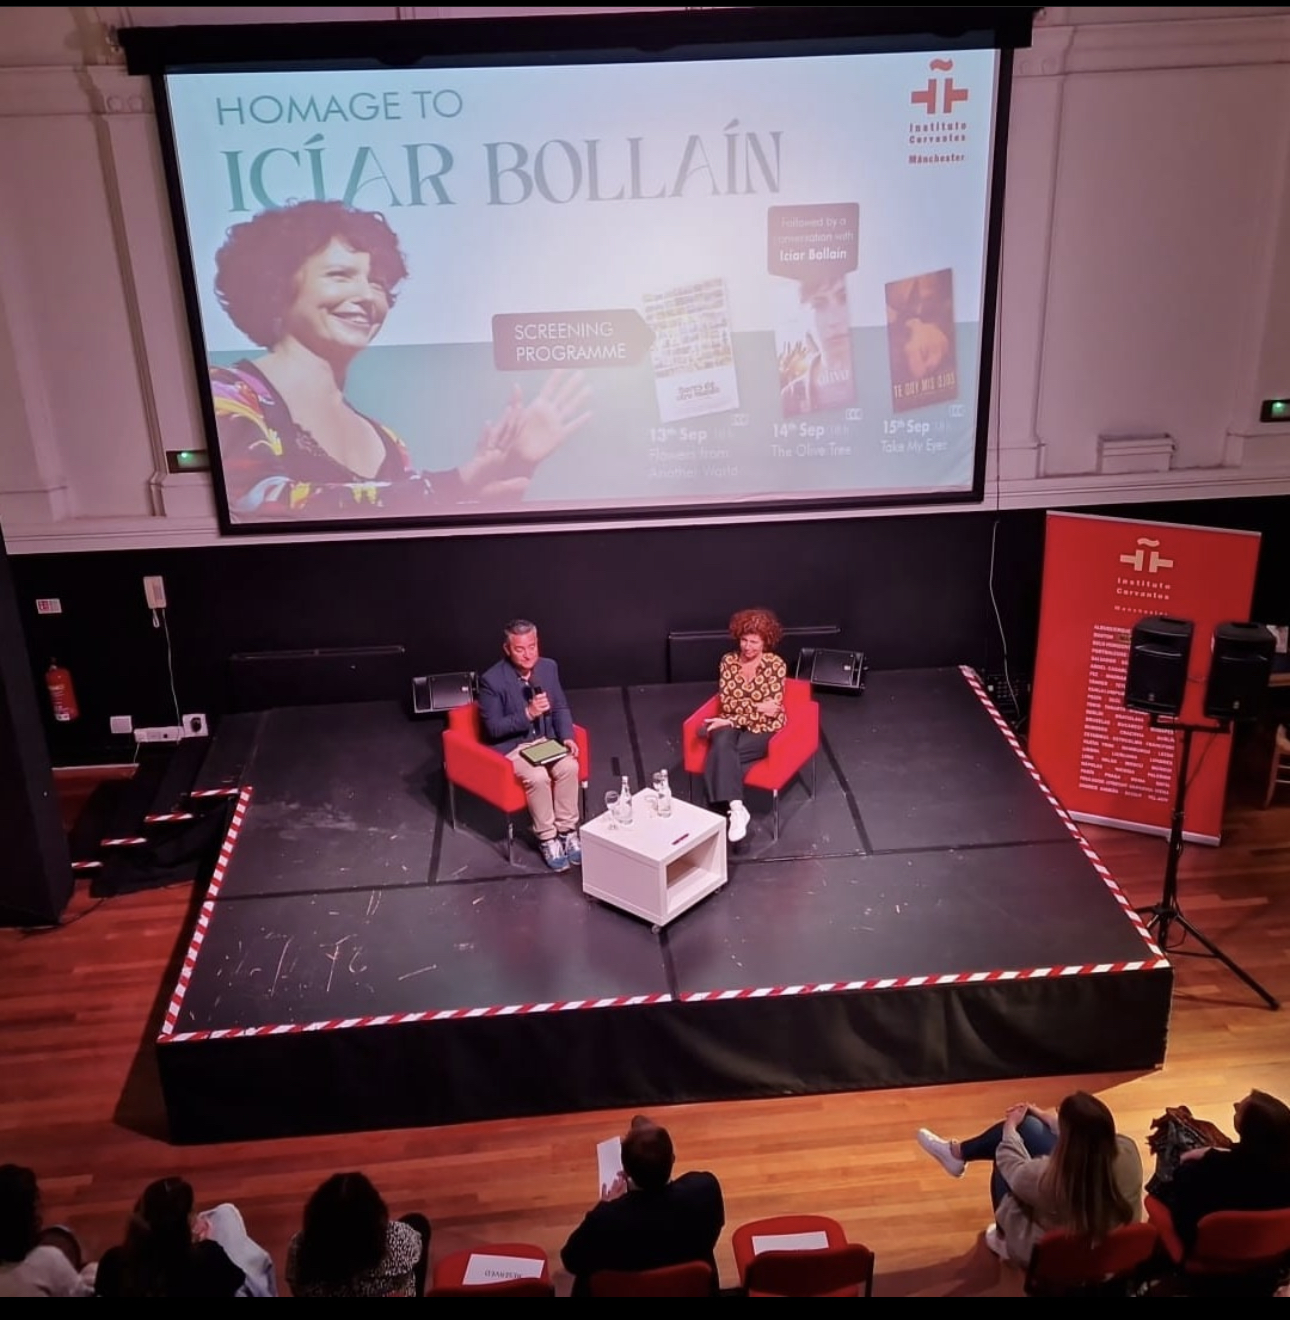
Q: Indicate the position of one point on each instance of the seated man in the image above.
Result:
(521, 703)
(647, 1219)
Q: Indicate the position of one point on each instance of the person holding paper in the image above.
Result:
(521, 705)
(646, 1219)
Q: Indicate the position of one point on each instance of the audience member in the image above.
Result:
(647, 1219)
(349, 1246)
(1254, 1174)
(1063, 1169)
(35, 1261)
(166, 1252)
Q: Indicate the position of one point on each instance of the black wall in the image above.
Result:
(35, 867)
(908, 591)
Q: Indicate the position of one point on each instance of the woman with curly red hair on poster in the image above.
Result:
(750, 689)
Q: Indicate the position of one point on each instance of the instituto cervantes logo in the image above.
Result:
(1147, 583)
(932, 137)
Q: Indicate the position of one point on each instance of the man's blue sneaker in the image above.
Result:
(553, 854)
(572, 847)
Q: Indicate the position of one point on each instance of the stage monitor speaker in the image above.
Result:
(1239, 670)
(841, 670)
(1159, 649)
(432, 693)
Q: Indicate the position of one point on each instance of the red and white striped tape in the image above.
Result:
(1099, 866)
(131, 842)
(632, 1001)
(213, 792)
(85, 866)
(204, 915)
(166, 816)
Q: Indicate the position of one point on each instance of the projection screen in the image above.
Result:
(628, 266)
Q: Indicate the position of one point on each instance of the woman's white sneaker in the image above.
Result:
(939, 1149)
(739, 819)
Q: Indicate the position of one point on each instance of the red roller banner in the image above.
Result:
(1105, 762)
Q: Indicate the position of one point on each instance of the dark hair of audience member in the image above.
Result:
(648, 1157)
(158, 1239)
(344, 1230)
(1081, 1169)
(19, 1212)
(1264, 1129)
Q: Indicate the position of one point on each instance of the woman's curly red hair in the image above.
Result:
(759, 621)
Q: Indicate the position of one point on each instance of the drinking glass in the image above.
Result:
(611, 806)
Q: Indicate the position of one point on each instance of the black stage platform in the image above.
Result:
(930, 915)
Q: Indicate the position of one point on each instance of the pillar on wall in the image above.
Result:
(36, 878)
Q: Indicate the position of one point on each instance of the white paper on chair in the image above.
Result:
(609, 1161)
(482, 1268)
(815, 1241)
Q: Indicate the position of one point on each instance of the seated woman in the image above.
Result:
(166, 1252)
(750, 689)
(1254, 1174)
(350, 1247)
(1065, 1169)
(35, 1261)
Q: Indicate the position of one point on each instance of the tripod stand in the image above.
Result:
(1166, 912)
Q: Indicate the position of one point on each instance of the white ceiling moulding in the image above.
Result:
(1180, 43)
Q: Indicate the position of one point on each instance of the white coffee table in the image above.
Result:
(658, 866)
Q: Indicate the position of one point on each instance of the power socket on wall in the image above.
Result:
(194, 726)
(164, 733)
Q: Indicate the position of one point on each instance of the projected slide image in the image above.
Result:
(560, 290)
(921, 340)
(694, 361)
(313, 284)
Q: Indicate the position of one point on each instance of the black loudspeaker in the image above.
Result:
(1159, 650)
(1239, 670)
(433, 693)
(843, 670)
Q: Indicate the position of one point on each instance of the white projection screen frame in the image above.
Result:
(676, 265)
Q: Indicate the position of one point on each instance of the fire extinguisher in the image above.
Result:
(62, 693)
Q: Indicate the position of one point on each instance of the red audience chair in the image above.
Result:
(790, 750)
(694, 1278)
(1070, 1265)
(447, 1279)
(1231, 1248)
(471, 764)
(838, 1269)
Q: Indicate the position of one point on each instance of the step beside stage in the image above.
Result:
(929, 915)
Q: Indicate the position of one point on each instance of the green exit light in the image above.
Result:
(187, 460)
(1275, 410)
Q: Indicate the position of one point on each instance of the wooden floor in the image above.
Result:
(79, 1100)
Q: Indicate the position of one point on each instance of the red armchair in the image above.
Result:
(788, 754)
(470, 763)
(836, 1268)
(1229, 1244)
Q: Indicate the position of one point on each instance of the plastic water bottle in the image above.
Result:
(624, 807)
(663, 793)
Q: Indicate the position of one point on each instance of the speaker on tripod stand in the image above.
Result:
(1239, 670)
(1159, 651)
(1240, 666)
